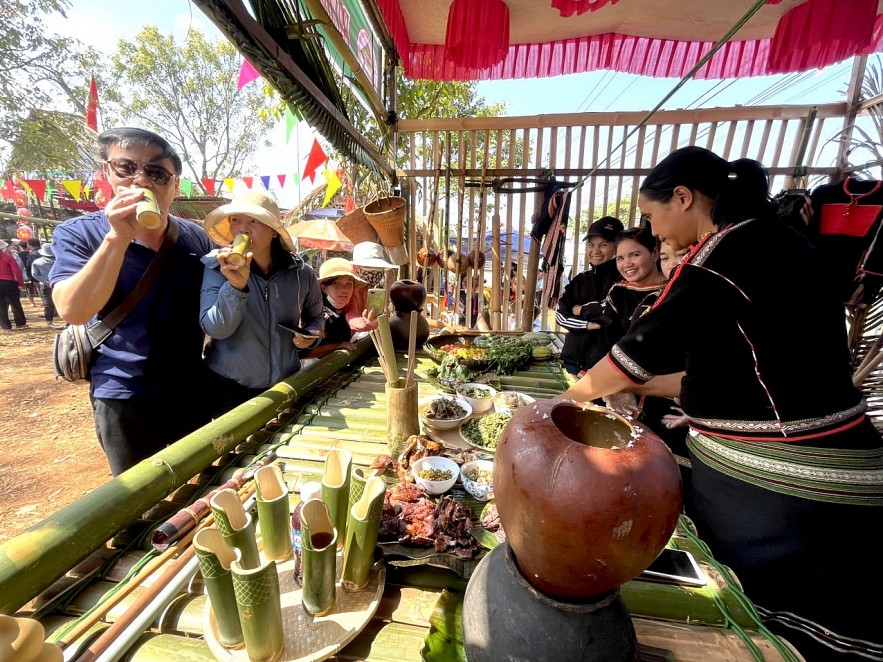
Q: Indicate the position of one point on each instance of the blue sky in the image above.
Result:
(103, 24)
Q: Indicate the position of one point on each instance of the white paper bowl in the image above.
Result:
(435, 462)
(479, 405)
(480, 491)
(443, 423)
(500, 401)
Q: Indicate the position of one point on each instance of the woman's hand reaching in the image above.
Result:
(677, 420)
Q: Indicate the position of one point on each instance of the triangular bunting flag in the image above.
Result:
(38, 187)
(314, 161)
(186, 187)
(296, 177)
(209, 185)
(291, 121)
(281, 179)
(333, 186)
(265, 180)
(248, 181)
(103, 193)
(73, 186)
(247, 74)
(228, 182)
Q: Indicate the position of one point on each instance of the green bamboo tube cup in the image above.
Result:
(258, 598)
(336, 489)
(362, 530)
(273, 515)
(401, 417)
(215, 556)
(358, 478)
(237, 526)
(319, 552)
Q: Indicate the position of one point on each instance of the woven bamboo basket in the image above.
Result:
(356, 227)
(387, 216)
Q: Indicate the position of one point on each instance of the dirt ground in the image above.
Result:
(50, 456)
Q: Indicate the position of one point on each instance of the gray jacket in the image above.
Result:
(246, 344)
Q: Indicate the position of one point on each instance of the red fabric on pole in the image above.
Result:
(578, 7)
(92, 106)
(477, 35)
(821, 32)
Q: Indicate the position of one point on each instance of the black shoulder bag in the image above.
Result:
(74, 345)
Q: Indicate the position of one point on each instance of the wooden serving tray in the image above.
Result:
(310, 638)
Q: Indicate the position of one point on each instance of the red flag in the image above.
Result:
(247, 181)
(314, 161)
(92, 106)
(209, 185)
(38, 186)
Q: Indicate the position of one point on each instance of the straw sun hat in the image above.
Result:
(254, 204)
(336, 267)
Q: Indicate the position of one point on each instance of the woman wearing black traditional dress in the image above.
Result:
(787, 480)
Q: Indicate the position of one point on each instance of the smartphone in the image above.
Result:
(298, 330)
(675, 566)
(376, 301)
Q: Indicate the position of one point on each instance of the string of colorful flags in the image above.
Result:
(99, 190)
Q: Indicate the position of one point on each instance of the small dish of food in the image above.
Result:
(435, 474)
(479, 396)
(477, 477)
(443, 412)
(508, 402)
(484, 432)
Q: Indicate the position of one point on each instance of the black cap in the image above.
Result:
(606, 226)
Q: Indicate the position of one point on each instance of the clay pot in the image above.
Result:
(475, 259)
(407, 295)
(457, 262)
(426, 258)
(400, 328)
(587, 500)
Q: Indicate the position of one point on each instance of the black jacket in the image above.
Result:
(587, 289)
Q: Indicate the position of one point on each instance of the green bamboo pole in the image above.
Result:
(32, 561)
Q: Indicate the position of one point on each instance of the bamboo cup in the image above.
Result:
(401, 416)
(241, 246)
(147, 211)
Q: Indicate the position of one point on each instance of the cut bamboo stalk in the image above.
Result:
(389, 352)
(47, 549)
(412, 348)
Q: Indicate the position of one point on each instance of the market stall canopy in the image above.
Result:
(504, 39)
(320, 233)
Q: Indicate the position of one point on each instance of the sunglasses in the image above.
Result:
(128, 168)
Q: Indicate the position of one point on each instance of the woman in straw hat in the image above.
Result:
(345, 298)
(250, 311)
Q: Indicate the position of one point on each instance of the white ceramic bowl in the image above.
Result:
(443, 423)
(501, 406)
(479, 405)
(437, 463)
(481, 491)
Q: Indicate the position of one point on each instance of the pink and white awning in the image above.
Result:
(661, 38)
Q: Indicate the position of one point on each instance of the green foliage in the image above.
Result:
(620, 211)
(187, 93)
(40, 71)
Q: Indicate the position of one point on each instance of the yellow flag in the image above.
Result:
(333, 186)
(228, 182)
(73, 186)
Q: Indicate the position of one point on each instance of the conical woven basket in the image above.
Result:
(387, 217)
(356, 227)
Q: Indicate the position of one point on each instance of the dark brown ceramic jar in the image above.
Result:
(407, 295)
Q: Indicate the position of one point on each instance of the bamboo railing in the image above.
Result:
(607, 153)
